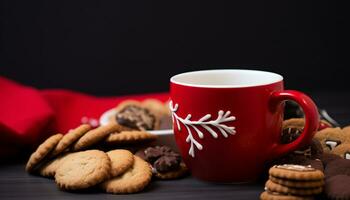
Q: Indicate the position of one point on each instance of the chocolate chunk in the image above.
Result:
(327, 158)
(173, 154)
(338, 167)
(337, 187)
(165, 149)
(136, 117)
(163, 158)
(290, 134)
(153, 153)
(166, 163)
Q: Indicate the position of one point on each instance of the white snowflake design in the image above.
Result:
(204, 122)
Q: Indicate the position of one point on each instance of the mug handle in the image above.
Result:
(311, 120)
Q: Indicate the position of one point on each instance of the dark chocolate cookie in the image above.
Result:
(328, 157)
(337, 187)
(317, 164)
(338, 167)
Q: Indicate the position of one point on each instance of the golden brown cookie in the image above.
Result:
(276, 196)
(343, 150)
(296, 172)
(178, 173)
(300, 123)
(330, 138)
(133, 180)
(274, 187)
(346, 130)
(324, 133)
(42, 151)
(83, 169)
(49, 168)
(94, 136)
(346, 133)
(297, 184)
(156, 106)
(70, 138)
(121, 160)
(294, 123)
(129, 137)
(166, 104)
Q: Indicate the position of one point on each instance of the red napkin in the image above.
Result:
(28, 115)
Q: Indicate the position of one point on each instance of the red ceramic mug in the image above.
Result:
(227, 123)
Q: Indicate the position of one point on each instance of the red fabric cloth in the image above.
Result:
(27, 115)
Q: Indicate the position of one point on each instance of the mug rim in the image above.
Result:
(276, 78)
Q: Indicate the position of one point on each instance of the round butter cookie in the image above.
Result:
(70, 138)
(42, 151)
(83, 169)
(129, 137)
(121, 160)
(275, 187)
(94, 136)
(276, 196)
(296, 172)
(133, 180)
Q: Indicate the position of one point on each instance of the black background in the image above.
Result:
(126, 47)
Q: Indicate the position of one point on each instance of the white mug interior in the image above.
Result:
(226, 78)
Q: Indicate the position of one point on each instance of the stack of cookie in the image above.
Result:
(329, 152)
(293, 182)
(77, 159)
(117, 171)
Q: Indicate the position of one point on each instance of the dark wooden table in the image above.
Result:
(15, 183)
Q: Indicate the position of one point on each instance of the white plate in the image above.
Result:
(165, 137)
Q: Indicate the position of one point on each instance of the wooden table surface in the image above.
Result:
(15, 183)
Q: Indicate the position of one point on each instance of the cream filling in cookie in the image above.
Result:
(295, 167)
